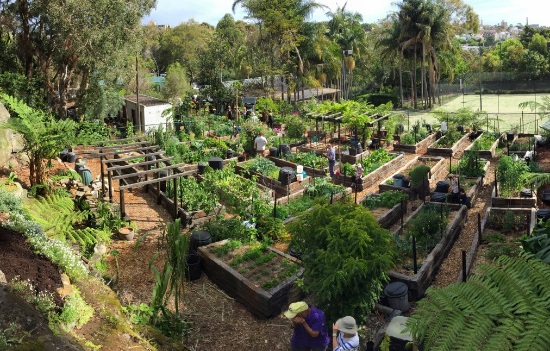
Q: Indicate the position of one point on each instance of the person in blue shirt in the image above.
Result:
(310, 332)
(331, 157)
(344, 335)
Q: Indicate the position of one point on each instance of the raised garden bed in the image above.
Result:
(375, 176)
(385, 216)
(436, 150)
(491, 151)
(261, 285)
(494, 240)
(516, 201)
(418, 148)
(436, 164)
(312, 172)
(427, 269)
(521, 144)
(273, 184)
(341, 156)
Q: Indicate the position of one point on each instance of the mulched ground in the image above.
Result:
(218, 321)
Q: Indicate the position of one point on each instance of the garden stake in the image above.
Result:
(464, 273)
(496, 184)
(355, 193)
(331, 194)
(479, 234)
(414, 255)
(274, 204)
(102, 172)
(175, 198)
(122, 206)
(110, 186)
(450, 161)
(402, 215)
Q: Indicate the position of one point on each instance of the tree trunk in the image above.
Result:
(401, 77)
(415, 103)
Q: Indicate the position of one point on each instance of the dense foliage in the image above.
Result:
(346, 255)
(509, 173)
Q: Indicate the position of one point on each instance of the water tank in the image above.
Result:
(286, 175)
(273, 151)
(79, 166)
(397, 295)
(442, 187)
(86, 175)
(199, 238)
(398, 180)
(284, 149)
(215, 162)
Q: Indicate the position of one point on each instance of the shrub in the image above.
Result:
(345, 255)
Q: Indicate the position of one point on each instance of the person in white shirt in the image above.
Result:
(260, 144)
(344, 335)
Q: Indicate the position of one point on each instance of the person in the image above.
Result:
(229, 113)
(344, 335)
(463, 198)
(443, 127)
(254, 118)
(358, 173)
(331, 157)
(264, 116)
(310, 331)
(454, 187)
(260, 144)
(419, 181)
(270, 120)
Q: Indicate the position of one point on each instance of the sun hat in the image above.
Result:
(347, 325)
(359, 165)
(295, 308)
(451, 175)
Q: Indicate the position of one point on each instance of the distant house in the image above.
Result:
(151, 112)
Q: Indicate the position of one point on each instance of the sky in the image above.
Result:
(174, 12)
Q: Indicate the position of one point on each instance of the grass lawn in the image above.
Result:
(502, 111)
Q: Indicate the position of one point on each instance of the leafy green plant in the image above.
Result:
(539, 245)
(308, 159)
(345, 256)
(426, 226)
(376, 159)
(139, 314)
(509, 172)
(470, 165)
(485, 141)
(12, 335)
(497, 250)
(192, 195)
(516, 320)
(323, 187)
(261, 165)
(449, 139)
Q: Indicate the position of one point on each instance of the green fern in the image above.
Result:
(506, 307)
(60, 219)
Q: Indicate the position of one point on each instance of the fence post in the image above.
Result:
(479, 234)
(415, 266)
(464, 273)
(496, 184)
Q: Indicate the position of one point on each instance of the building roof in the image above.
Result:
(146, 100)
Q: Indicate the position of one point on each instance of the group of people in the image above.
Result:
(234, 112)
(311, 334)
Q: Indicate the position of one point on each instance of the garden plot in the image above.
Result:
(508, 191)
(521, 145)
(342, 152)
(436, 164)
(435, 228)
(502, 231)
(487, 145)
(414, 143)
(449, 144)
(266, 173)
(376, 166)
(388, 207)
(314, 165)
(259, 277)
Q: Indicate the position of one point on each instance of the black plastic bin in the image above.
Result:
(397, 295)
(194, 265)
(199, 238)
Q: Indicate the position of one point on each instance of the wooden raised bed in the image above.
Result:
(520, 202)
(312, 172)
(375, 176)
(273, 184)
(263, 304)
(438, 172)
(392, 215)
(418, 148)
(446, 152)
(487, 154)
(476, 242)
(319, 149)
(419, 282)
(521, 153)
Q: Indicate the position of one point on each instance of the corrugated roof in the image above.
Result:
(146, 100)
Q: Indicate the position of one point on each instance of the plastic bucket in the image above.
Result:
(299, 169)
(398, 180)
(398, 296)
(193, 263)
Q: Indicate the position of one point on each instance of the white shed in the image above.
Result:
(150, 112)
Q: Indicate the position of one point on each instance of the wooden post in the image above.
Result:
(496, 184)
(275, 204)
(355, 191)
(450, 161)
(122, 204)
(479, 233)
(102, 172)
(415, 266)
(464, 272)
(175, 181)
(331, 196)
(158, 185)
(110, 186)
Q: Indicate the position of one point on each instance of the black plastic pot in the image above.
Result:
(546, 197)
(286, 175)
(229, 153)
(199, 238)
(201, 167)
(193, 263)
(510, 136)
(273, 151)
(215, 163)
(284, 149)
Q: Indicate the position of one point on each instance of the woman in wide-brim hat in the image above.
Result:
(344, 335)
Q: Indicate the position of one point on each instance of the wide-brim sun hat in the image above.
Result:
(451, 175)
(347, 325)
(295, 308)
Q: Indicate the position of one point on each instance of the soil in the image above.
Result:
(218, 322)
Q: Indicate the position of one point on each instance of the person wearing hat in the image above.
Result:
(454, 188)
(344, 335)
(358, 173)
(310, 332)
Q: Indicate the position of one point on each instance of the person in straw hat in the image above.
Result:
(344, 335)
(310, 332)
